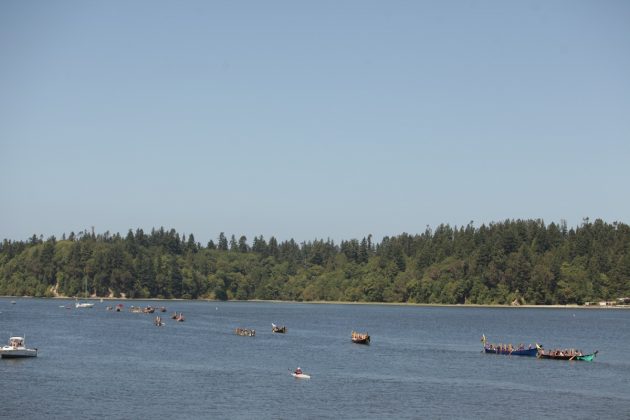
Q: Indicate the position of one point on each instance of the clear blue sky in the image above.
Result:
(311, 120)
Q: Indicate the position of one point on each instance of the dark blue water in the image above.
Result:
(424, 362)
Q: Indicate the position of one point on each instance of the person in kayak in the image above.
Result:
(298, 371)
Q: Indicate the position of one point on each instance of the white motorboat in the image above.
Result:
(17, 348)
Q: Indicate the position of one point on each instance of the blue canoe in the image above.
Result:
(532, 352)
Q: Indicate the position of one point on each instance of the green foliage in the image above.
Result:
(515, 260)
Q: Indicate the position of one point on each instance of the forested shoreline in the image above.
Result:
(523, 261)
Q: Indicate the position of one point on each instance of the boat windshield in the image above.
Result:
(16, 341)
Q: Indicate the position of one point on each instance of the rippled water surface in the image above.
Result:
(423, 362)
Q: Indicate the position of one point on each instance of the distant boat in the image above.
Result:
(246, 332)
(360, 338)
(17, 348)
(278, 329)
(297, 373)
(81, 304)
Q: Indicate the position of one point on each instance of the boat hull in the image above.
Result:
(523, 352)
(17, 353)
(583, 358)
(300, 375)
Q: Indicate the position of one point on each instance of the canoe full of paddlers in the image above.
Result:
(246, 332)
(360, 338)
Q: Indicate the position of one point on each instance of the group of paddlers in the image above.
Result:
(245, 332)
(359, 336)
(507, 347)
(562, 353)
(177, 316)
(537, 350)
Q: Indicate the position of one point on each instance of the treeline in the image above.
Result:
(522, 261)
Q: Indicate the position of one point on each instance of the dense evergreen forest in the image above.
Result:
(521, 261)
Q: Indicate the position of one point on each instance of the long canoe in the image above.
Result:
(584, 357)
(509, 349)
(532, 352)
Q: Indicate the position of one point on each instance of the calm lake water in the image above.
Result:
(424, 362)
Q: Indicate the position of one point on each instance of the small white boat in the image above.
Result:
(297, 373)
(17, 348)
